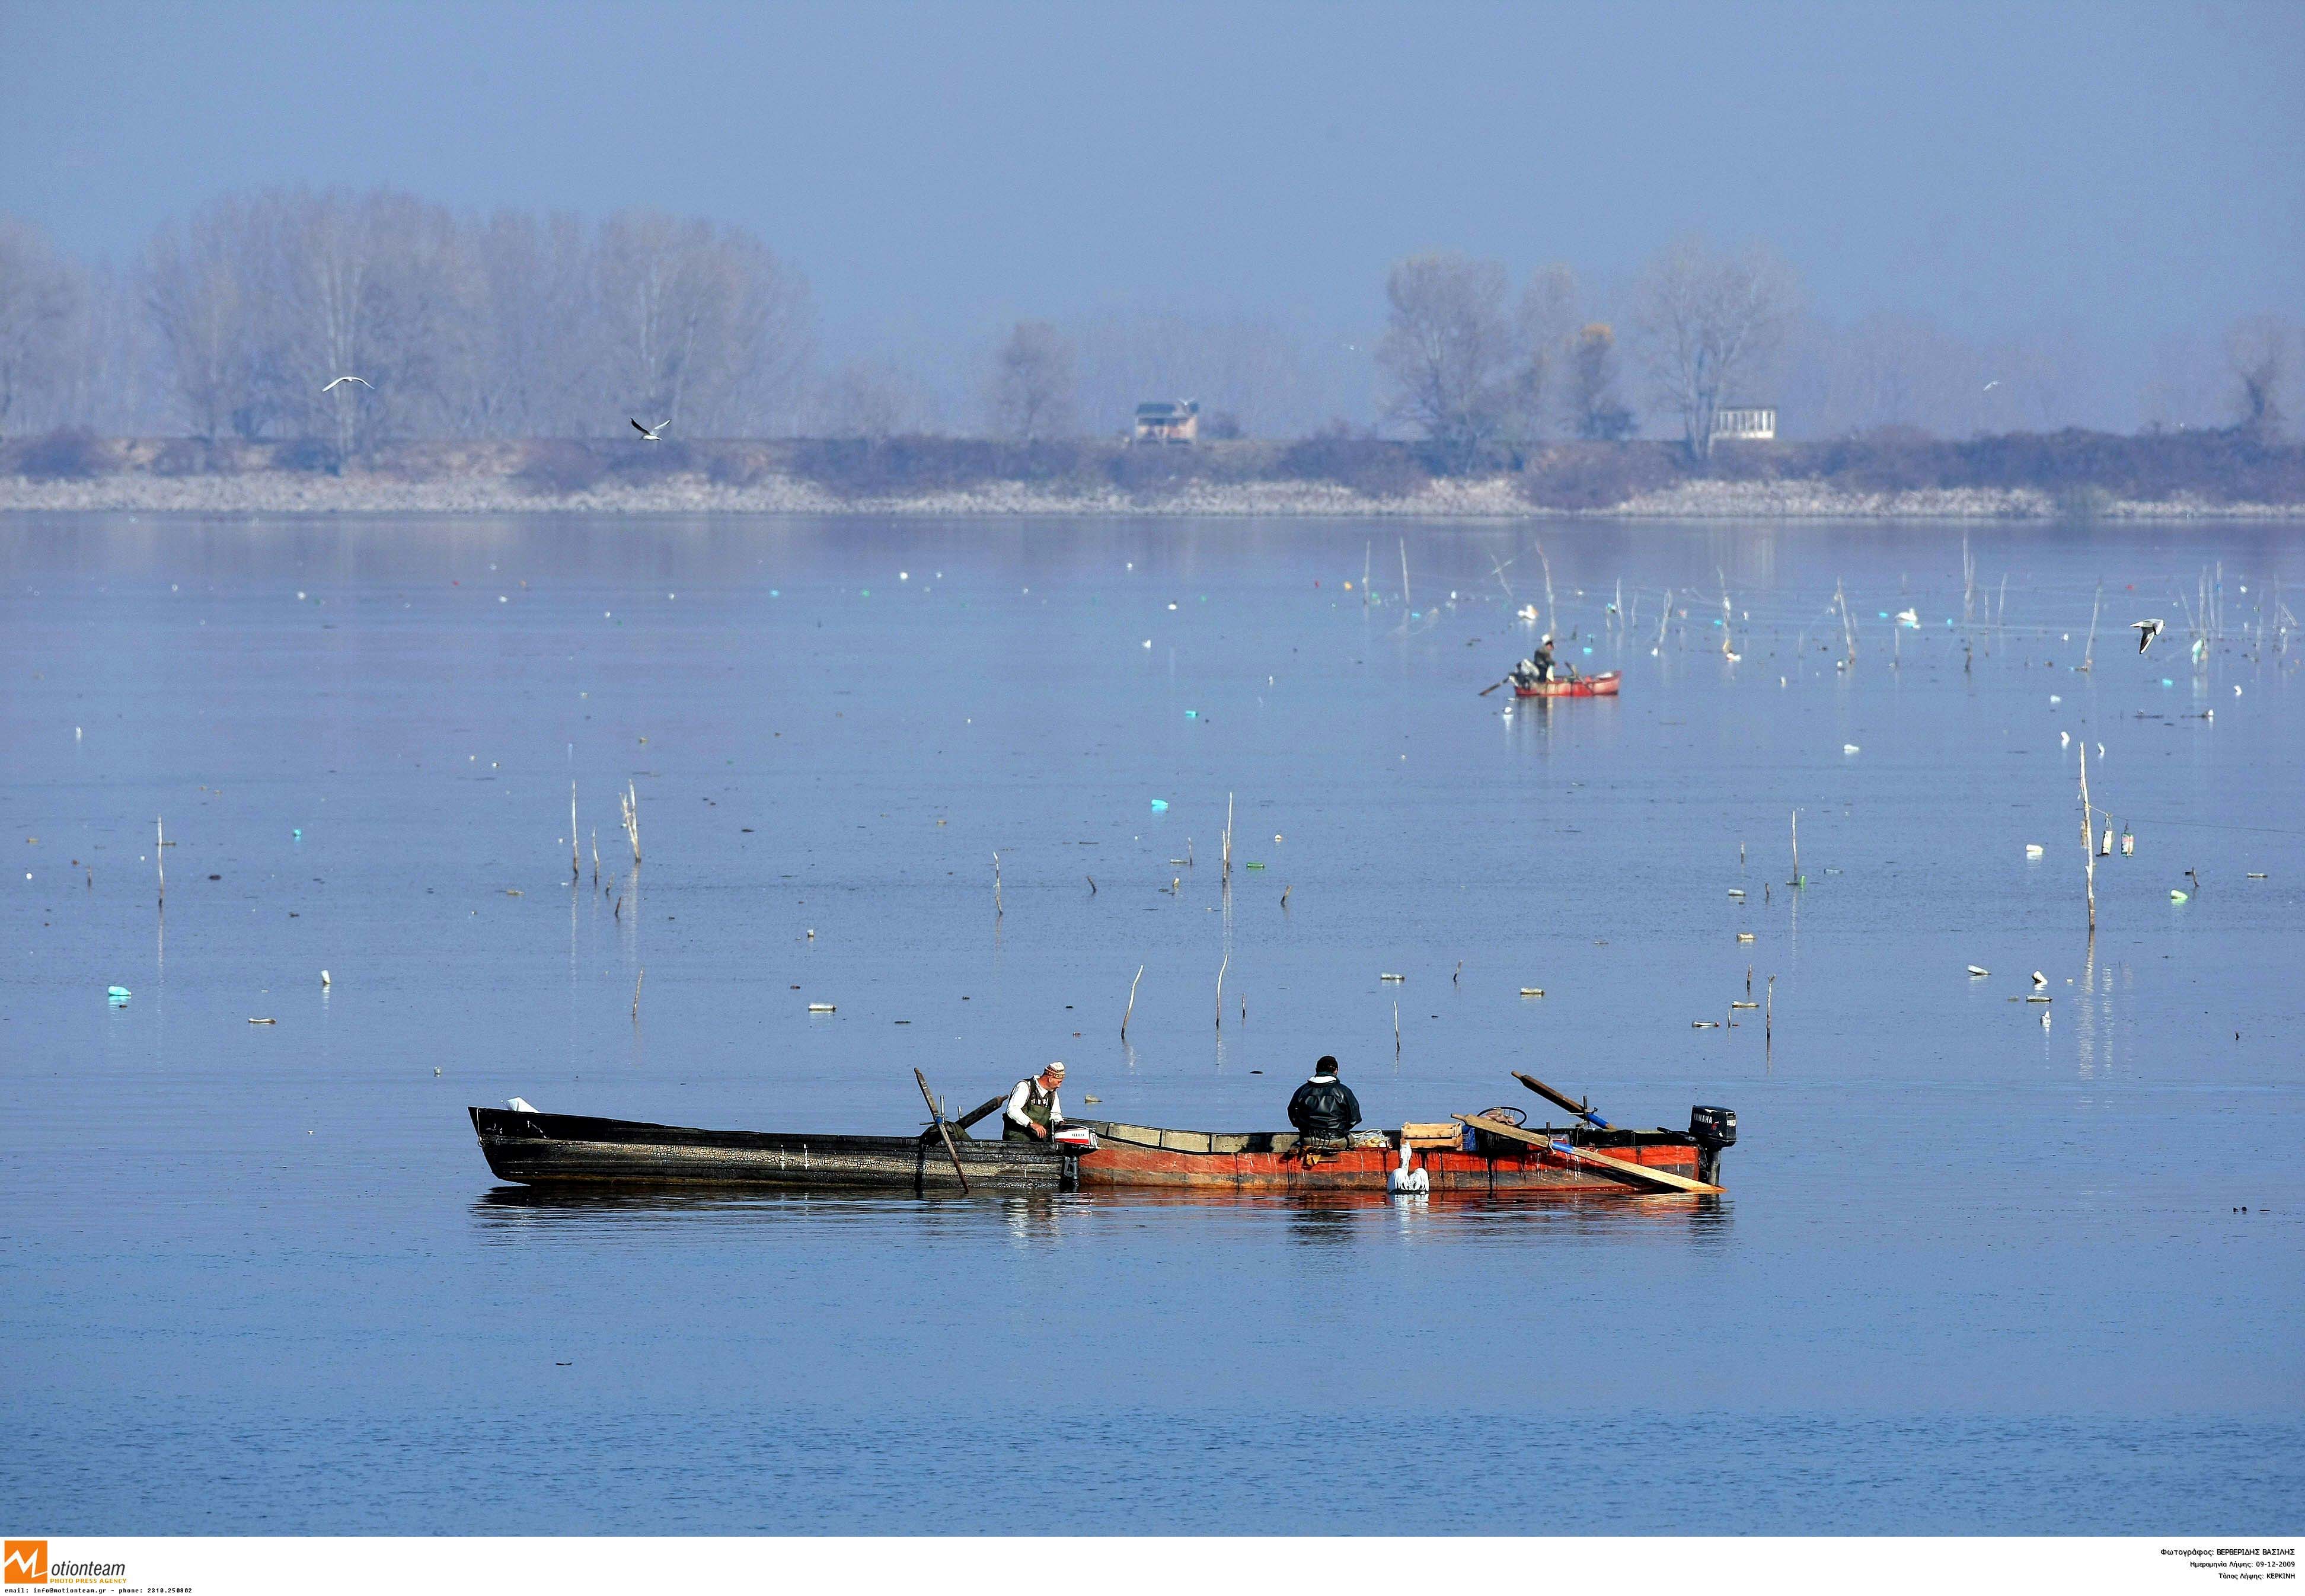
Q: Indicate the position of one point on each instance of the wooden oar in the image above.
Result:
(1583, 1111)
(1618, 1166)
(977, 1112)
(937, 1114)
(1492, 686)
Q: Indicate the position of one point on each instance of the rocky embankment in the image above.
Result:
(284, 492)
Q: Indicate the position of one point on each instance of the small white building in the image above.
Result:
(1757, 422)
(1169, 421)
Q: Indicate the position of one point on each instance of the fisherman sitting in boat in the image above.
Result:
(1033, 1106)
(1324, 1107)
(1538, 667)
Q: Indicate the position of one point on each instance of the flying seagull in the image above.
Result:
(655, 434)
(2147, 631)
(1992, 385)
(340, 382)
(2039, 979)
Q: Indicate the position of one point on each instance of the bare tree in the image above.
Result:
(1034, 383)
(41, 297)
(1545, 325)
(702, 324)
(1708, 322)
(2260, 351)
(1446, 352)
(1594, 407)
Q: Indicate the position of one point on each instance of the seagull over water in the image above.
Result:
(340, 382)
(2147, 631)
(655, 434)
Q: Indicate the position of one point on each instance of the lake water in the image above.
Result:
(1979, 1270)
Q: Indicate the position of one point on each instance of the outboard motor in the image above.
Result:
(1072, 1141)
(1712, 1129)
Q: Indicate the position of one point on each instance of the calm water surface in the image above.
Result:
(1978, 1271)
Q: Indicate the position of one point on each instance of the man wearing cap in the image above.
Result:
(1032, 1107)
(1324, 1107)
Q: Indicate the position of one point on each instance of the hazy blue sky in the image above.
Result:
(2129, 169)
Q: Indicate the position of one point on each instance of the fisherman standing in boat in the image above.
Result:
(1324, 1107)
(1032, 1107)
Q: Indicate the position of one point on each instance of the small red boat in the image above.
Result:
(1476, 1155)
(1603, 685)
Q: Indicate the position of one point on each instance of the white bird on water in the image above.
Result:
(340, 382)
(655, 434)
(520, 1105)
(2147, 631)
(2039, 979)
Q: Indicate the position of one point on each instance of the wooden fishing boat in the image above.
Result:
(1474, 1155)
(1603, 685)
(1471, 1155)
(572, 1149)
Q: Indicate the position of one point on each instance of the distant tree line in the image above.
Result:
(231, 323)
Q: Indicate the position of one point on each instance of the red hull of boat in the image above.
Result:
(1603, 685)
(1533, 1173)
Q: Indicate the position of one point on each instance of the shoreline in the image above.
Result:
(1497, 499)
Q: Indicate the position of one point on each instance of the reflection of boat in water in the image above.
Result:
(1490, 1154)
(1603, 685)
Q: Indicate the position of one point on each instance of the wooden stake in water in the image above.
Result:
(1221, 975)
(1126, 1013)
(161, 859)
(1796, 881)
(997, 910)
(1404, 573)
(1395, 1030)
(2088, 849)
(575, 857)
(2089, 653)
(1551, 620)
(1228, 838)
(596, 856)
(636, 994)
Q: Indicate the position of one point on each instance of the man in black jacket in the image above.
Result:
(1325, 1105)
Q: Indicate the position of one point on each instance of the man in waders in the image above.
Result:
(1032, 1107)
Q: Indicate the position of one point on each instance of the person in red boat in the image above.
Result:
(1324, 1107)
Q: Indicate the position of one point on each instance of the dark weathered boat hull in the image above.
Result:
(575, 1150)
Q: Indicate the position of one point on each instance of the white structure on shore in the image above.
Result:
(1756, 421)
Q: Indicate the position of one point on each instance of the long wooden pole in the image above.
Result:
(937, 1114)
(2088, 843)
(575, 854)
(1131, 1009)
(1623, 1169)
